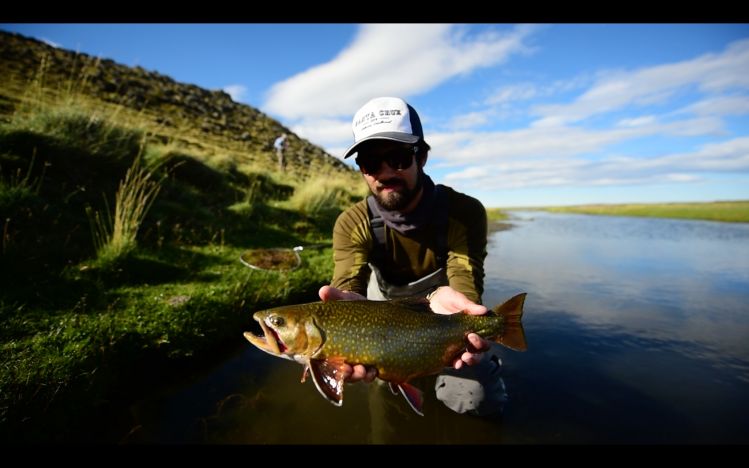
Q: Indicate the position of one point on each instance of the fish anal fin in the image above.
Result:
(413, 396)
(328, 378)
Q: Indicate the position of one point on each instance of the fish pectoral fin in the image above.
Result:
(413, 396)
(328, 378)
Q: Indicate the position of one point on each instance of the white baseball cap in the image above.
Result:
(385, 118)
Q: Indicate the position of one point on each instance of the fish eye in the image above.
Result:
(276, 321)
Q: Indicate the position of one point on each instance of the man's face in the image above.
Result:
(392, 171)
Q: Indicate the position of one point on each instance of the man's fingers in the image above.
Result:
(359, 372)
(329, 293)
(474, 309)
(325, 293)
(477, 344)
(471, 359)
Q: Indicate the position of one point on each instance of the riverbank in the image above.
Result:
(725, 211)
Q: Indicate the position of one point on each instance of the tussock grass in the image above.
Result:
(115, 235)
(324, 195)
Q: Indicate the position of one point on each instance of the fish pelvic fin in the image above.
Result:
(512, 311)
(328, 378)
(413, 396)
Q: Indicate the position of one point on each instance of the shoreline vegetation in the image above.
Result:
(725, 211)
(497, 219)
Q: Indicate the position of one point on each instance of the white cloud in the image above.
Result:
(637, 121)
(728, 156)
(325, 131)
(472, 119)
(236, 91)
(465, 147)
(390, 59)
(708, 73)
(721, 105)
(516, 92)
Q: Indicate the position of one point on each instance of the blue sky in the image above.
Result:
(517, 115)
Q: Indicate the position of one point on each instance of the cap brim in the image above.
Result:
(392, 136)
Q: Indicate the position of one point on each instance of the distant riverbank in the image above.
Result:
(728, 211)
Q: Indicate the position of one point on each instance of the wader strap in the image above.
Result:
(377, 225)
(440, 202)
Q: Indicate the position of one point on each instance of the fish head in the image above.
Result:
(288, 332)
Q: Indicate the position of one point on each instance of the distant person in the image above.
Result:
(411, 237)
(280, 145)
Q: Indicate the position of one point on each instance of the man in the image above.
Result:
(280, 145)
(410, 238)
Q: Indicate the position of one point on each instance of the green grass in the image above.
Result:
(80, 334)
(728, 211)
(496, 214)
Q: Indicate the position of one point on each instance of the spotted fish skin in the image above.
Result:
(399, 342)
(402, 339)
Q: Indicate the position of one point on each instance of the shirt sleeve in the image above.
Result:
(352, 243)
(466, 240)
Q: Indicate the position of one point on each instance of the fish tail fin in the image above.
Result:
(512, 311)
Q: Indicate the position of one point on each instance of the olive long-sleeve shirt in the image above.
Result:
(412, 257)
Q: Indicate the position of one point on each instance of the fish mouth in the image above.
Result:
(269, 342)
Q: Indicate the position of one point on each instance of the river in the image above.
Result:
(637, 329)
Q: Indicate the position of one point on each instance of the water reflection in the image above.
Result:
(638, 332)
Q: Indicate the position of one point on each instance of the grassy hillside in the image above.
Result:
(733, 211)
(203, 122)
(126, 200)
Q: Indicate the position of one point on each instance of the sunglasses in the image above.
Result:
(398, 159)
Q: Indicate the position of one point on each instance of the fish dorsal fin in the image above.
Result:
(413, 396)
(512, 312)
(328, 378)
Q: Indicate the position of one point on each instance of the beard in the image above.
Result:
(399, 197)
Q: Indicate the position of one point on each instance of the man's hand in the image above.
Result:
(357, 372)
(329, 293)
(446, 300)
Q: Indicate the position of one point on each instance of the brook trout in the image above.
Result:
(403, 339)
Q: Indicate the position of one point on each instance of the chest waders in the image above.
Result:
(476, 389)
